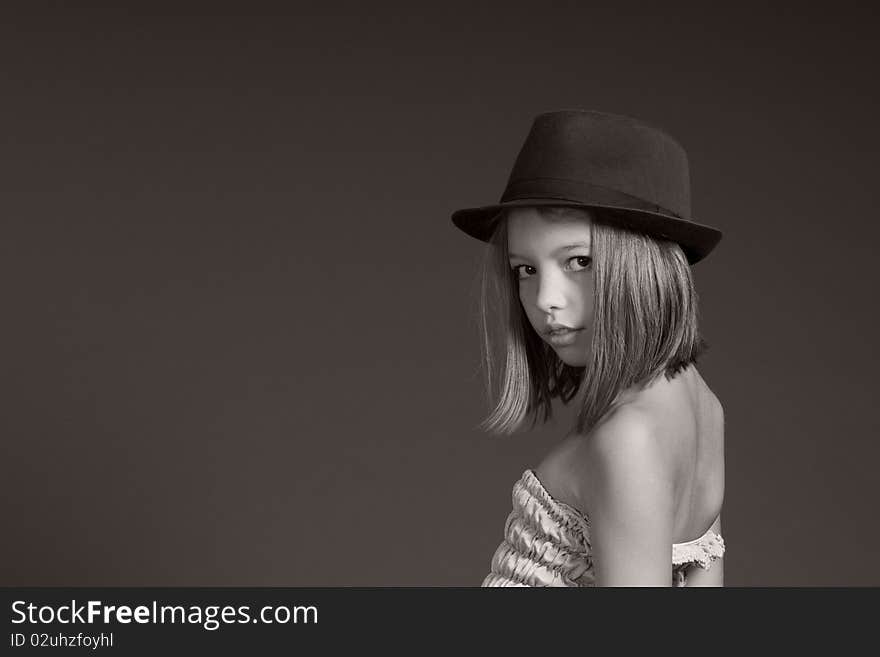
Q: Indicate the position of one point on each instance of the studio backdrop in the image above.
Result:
(240, 334)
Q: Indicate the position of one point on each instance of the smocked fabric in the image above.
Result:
(547, 543)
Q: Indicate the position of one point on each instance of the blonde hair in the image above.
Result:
(645, 324)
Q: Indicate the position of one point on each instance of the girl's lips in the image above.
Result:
(563, 337)
(555, 328)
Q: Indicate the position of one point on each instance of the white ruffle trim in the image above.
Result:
(701, 552)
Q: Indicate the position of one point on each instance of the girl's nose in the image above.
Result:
(550, 295)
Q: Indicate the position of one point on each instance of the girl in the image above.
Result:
(588, 281)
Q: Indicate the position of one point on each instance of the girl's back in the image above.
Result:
(689, 420)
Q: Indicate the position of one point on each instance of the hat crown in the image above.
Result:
(636, 175)
(608, 151)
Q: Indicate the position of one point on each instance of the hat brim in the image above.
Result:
(696, 240)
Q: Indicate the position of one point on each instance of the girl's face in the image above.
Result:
(551, 258)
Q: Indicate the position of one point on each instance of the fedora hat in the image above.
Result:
(634, 172)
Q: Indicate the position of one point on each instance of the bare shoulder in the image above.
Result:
(628, 427)
(630, 500)
(622, 461)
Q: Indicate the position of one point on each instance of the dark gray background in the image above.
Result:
(239, 331)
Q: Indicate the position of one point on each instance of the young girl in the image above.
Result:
(589, 284)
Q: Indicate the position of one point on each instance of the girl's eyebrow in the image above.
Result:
(567, 247)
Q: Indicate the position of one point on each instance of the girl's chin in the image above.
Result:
(571, 359)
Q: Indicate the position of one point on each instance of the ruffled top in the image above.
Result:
(547, 543)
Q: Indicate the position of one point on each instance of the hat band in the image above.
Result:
(577, 191)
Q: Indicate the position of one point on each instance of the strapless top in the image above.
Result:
(547, 543)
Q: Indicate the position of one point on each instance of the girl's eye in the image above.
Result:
(519, 271)
(584, 262)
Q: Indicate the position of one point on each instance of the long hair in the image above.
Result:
(645, 323)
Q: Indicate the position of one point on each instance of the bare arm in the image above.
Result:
(631, 504)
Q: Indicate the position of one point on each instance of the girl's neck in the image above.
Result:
(658, 384)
